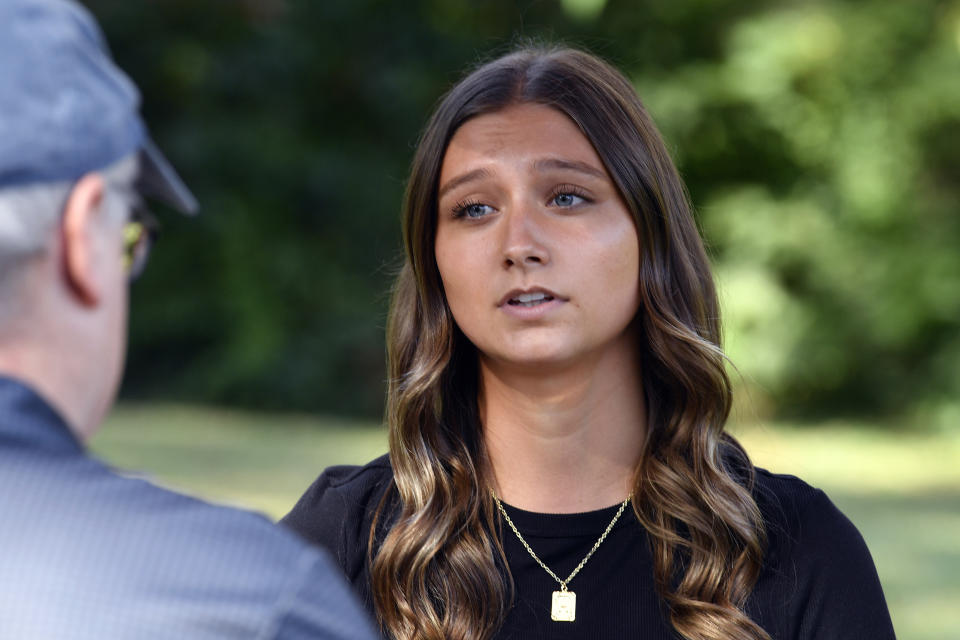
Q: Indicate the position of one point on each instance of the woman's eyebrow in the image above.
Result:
(463, 178)
(544, 164)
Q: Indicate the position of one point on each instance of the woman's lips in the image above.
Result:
(530, 304)
(530, 297)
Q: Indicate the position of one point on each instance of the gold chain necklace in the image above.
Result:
(564, 607)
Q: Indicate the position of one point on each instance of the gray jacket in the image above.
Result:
(88, 554)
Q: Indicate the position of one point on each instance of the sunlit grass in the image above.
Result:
(259, 461)
(857, 459)
(901, 489)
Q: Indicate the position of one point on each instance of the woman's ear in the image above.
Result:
(80, 233)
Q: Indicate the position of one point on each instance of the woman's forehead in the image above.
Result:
(524, 134)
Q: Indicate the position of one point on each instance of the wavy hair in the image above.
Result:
(437, 568)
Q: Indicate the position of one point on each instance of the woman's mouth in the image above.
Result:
(530, 299)
(533, 303)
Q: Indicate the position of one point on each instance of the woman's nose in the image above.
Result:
(524, 240)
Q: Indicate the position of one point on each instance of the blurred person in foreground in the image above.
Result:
(558, 462)
(86, 552)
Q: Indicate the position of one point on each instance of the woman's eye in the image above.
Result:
(472, 210)
(566, 199)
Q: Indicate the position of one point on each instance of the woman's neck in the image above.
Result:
(567, 440)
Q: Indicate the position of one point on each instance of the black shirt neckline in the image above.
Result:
(566, 525)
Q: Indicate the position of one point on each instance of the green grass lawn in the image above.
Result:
(901, 489)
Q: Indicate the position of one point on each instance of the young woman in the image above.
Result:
(558, 464)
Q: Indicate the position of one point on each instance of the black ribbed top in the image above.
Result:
(818, 581)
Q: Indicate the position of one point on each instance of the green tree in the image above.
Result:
(820, 142)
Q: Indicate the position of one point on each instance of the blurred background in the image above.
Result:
(820, 141)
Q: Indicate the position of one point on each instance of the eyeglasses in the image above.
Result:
(139, 234)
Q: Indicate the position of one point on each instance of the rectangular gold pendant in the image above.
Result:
(564, 607)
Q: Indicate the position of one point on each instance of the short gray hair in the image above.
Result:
(30, 214)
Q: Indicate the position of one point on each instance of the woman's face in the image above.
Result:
(538, 254)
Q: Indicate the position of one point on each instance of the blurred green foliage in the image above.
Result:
(820, 142)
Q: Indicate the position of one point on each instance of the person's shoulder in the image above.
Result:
(783, 497)
(787, 501)
(350, 486)
(357, 479)
(818, 572)
(129, 507)
(183, 520)
(795, 513)
(218, 548)
(811, 540)
(266, 576)
(337, 509)
(124, 536)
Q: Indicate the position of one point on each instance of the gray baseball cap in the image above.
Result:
(65, 108)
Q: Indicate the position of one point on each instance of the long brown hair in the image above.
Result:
(439, 573)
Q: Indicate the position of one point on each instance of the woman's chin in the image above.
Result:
(534, 358)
